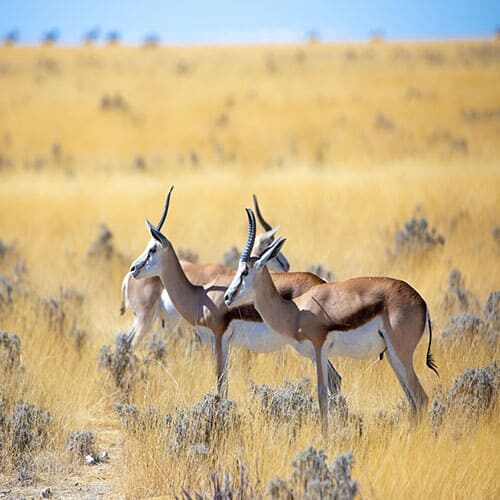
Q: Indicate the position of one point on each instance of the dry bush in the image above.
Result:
(5, 249)
(187, 254)
(415, 238)
(81, 443)
(191, 431)
(13, 286)
(61, 314)
(313, 478)
(476, 389)
(222, 486)
(206, 423)
(288, 404)
(136, 420)
(121, 363)
(125, 367)
(10, 353)
(458, 298)
(293, 405)
(102, 246)
(495, 234)
(464, 328)
(231, 258)
(471, 329)
(472, 394)
(23, 434)
(491, 314)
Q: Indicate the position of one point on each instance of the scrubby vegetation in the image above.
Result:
(369, 168)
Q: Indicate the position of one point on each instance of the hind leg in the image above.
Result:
(143, 324)
(400, 357)
(322, 380)
(133, 329)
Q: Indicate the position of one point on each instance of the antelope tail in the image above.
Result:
(124, 294)
(429, 360)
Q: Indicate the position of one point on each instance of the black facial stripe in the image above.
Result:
(139, 267)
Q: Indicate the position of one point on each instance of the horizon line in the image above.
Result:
(376, 39)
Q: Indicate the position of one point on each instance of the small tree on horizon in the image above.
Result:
(377, 36)
(113, 37)
(11, 37)
(50, 37)
(151, 40)
(91, 36)
(313, 36)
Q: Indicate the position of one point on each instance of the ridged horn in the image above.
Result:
(264, 223)
(251, 236)
(165, 211)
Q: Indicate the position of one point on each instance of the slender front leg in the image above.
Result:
(221, 350)
(322, 375)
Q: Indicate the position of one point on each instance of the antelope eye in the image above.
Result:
(153, 250)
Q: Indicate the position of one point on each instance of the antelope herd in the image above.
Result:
(263, 311)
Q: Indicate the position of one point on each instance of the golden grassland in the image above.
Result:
(341, 143)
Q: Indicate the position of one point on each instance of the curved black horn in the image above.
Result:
(165, 210)
(265, 224)
(251, 236)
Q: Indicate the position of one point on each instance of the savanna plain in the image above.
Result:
(373, 158)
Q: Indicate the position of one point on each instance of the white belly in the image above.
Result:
(257, 337)
(363, 342)
(168, 312)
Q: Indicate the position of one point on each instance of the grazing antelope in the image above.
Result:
(359, 318)
(148, 299)
(203, 307)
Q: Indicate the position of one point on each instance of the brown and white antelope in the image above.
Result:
(203, 307)
(359, 318)
(149, 301)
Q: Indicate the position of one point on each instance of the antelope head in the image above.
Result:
(264, 240)
(241, 287)
(148, 264)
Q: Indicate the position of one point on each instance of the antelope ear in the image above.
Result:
(269, 234)
(157, 235)
(269, 253)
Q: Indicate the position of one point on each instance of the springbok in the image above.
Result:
(148, 299)
(359, 318)
(203, 307)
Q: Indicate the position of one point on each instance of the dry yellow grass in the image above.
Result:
(297, 125)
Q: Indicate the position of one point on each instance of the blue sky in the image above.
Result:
(221, 21)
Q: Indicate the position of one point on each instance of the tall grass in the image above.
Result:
(305, 139)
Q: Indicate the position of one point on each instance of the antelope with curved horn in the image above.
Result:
(359, 318)
(148, 299)
(203, 307)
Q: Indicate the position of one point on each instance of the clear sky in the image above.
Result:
(221, 21)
